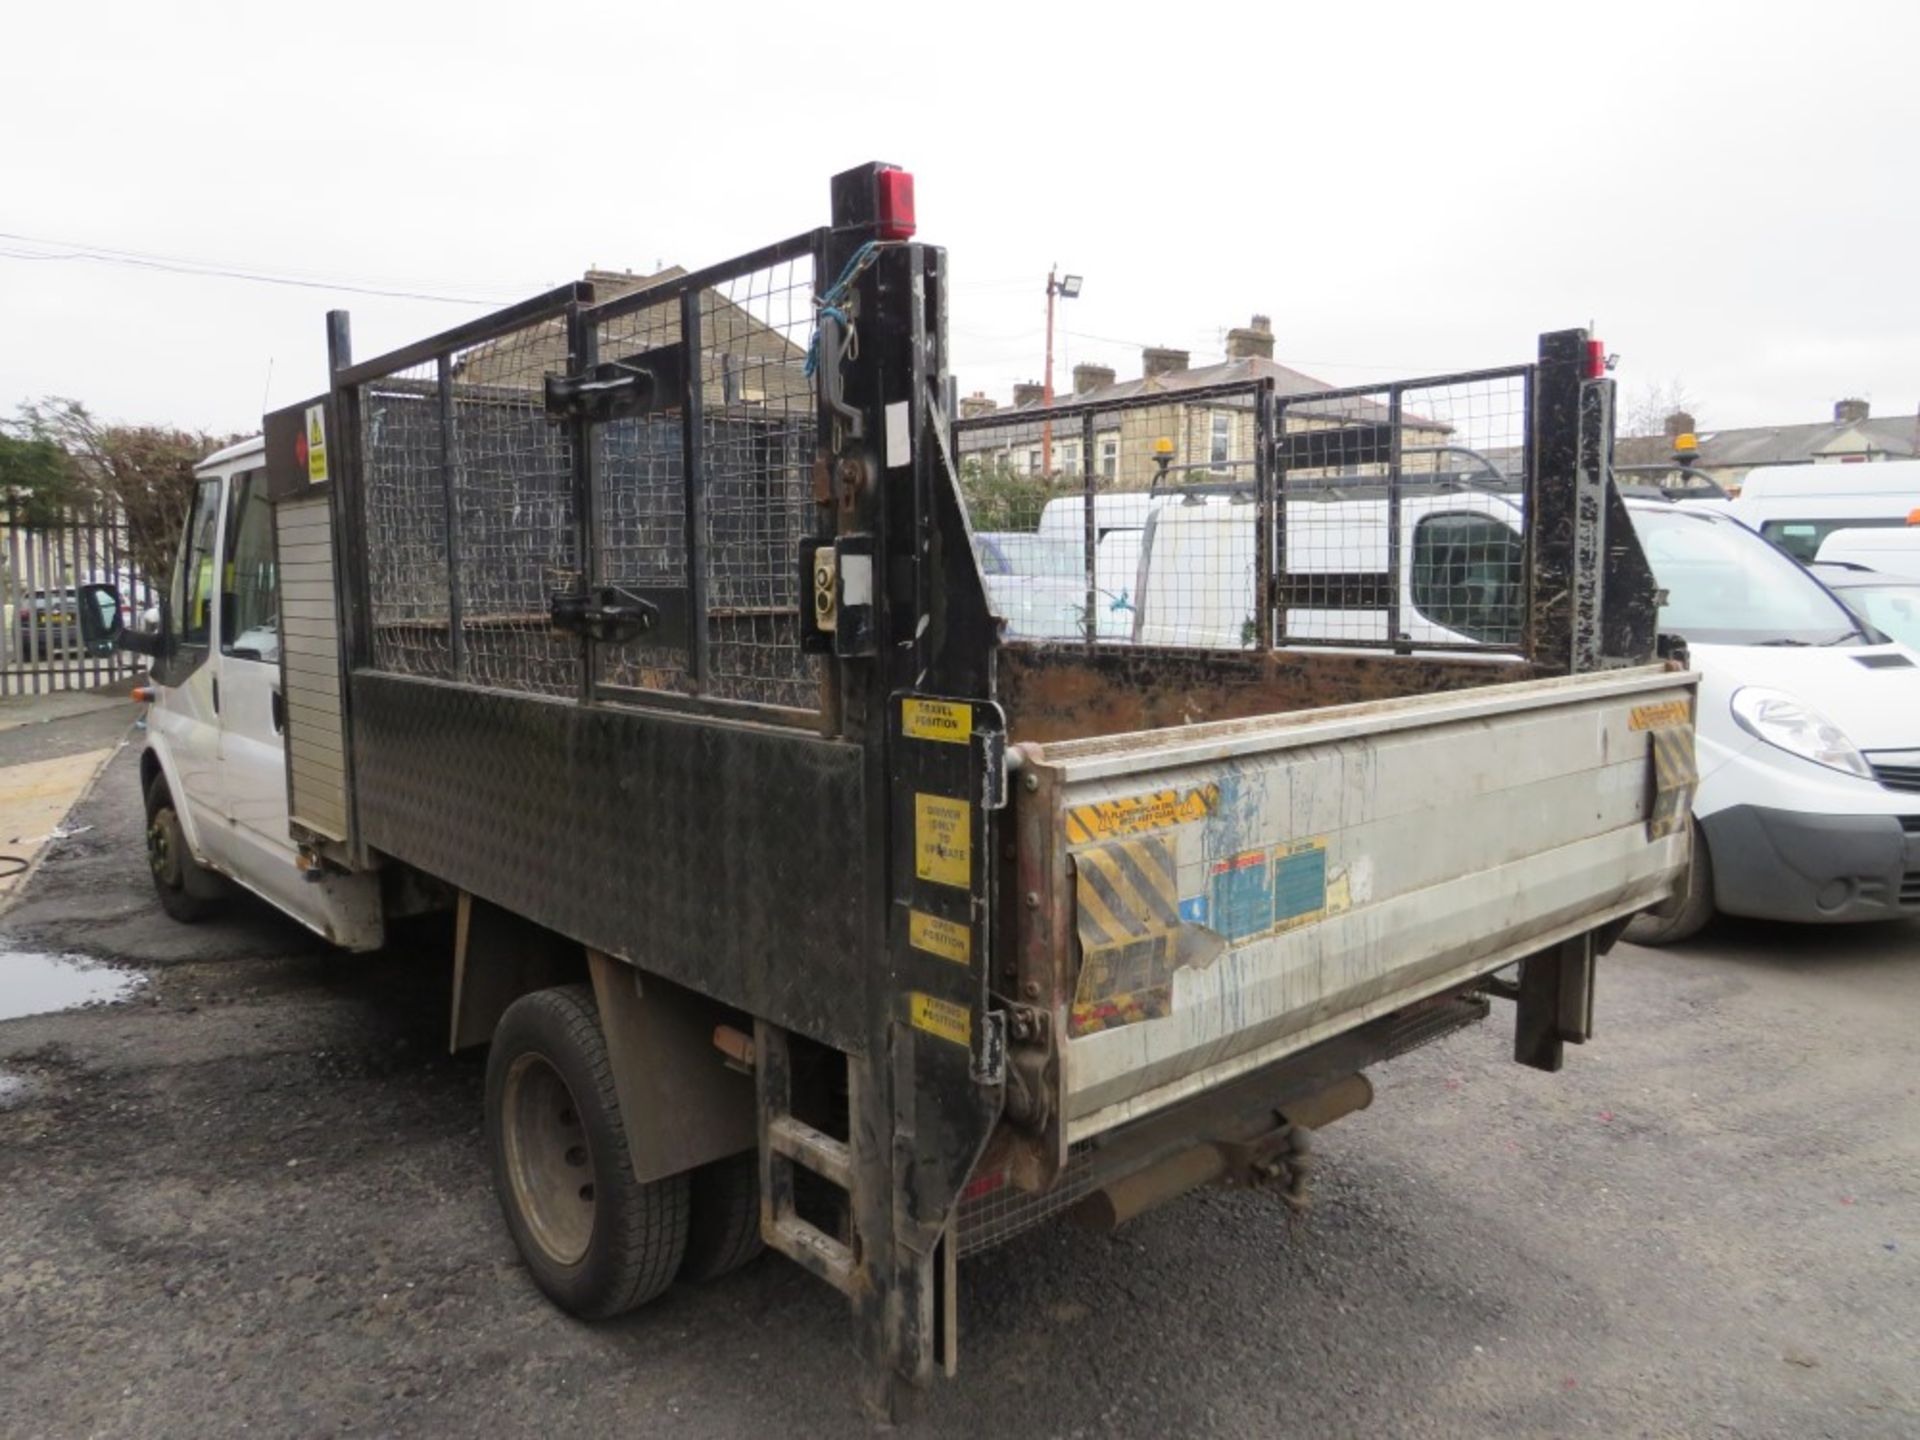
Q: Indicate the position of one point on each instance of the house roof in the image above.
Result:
(1892, 437)
(1287, 383)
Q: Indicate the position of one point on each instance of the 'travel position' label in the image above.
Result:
(937, 720)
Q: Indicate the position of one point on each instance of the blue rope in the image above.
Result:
(833, 301)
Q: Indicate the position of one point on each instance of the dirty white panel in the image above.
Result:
(310, 655)
(1331, 868)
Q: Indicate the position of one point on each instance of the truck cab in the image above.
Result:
(214, 775)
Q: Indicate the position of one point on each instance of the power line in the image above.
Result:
(214, 270)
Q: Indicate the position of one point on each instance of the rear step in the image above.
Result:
(786, 1141)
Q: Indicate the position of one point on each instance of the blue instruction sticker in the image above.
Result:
(1300, 884)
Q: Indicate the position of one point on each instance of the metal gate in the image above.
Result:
(43, 561)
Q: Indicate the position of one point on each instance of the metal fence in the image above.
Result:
(479, 506)
(1231, 517)
(43, 561)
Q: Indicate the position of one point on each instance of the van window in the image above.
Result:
(250, 610)
(192, 589)
(1469, 575)
(1801, 538)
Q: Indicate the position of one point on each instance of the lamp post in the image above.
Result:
(1067, 287)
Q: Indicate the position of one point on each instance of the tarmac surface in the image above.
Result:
(253, 1199)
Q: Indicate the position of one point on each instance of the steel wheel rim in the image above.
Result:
(160, 851)
(548, 1161)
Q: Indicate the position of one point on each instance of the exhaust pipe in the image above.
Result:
(1133, 1195)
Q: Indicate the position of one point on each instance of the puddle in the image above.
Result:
(35, 984)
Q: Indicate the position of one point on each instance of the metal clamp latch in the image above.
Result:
(609, 614)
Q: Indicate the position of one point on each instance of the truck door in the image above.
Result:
(188, 714)
(253, 778)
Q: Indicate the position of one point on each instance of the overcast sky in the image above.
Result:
(1728, 193)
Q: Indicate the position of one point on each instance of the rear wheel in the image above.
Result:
(181, 882)
(1682, 917)
(723, 1230)
(598, 1241)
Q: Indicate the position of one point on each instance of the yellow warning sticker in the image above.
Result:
(939, 937)
(937, 720)
(1136, 814)
(943, 840)
(1665, 715)
(940, 1017)
(316, 445)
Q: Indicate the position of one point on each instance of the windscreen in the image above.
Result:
(1726, 586)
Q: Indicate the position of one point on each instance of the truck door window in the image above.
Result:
(193, 579)
(250, 611)
(1469, 575)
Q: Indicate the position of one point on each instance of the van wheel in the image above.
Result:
(723, 1231)
(1682, 917)
(181, 882)
(598, 1241)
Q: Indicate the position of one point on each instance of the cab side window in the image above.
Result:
(1469, 574)
(1801, 538)
(250, 604)
(191, 600)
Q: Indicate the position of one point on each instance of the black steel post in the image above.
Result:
(1552, 489)
(1394, 558)
(1265, 515)
(583, 353)
(449, 486)
(694, 472)
(1090, 531)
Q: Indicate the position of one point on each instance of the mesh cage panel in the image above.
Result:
(757, 445)
(405, 513)
(515, 533)
(640, 504)
(1394, 517)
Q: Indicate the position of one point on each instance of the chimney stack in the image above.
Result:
(1088, 378)
(1159, 360)
(976, 404)
(1849, 411)
(1031, 392)
(1253, 341)
(1677, 424)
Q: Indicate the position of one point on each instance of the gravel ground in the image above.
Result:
(254, 1200)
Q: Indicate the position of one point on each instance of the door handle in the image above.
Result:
(279, 705)
(216, 694)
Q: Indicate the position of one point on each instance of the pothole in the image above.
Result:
(32, 983)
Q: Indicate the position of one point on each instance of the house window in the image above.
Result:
(1220, 444)
(1033, 462)
(1109, 459)
(1070, 458)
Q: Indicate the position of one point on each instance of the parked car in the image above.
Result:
(1889, 603)
(1808, 734)
(46, 624)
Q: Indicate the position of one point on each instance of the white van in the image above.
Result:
(214, 773)
(1889, 550)
(1798, 506)
(1462, 571)
(1807, 734)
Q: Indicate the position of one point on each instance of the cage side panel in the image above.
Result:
(309, 638)
(723, 857)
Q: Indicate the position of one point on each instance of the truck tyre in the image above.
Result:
(723, 1230)
(1687, 913)
(181, 882)
(598, 1241)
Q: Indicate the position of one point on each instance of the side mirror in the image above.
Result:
(100, 624)
(103, 628)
